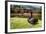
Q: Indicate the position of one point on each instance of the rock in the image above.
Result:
(32, 21)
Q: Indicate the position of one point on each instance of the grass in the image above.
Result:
(19, 23)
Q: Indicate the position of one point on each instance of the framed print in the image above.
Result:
(24, 16)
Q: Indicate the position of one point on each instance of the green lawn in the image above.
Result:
(19, 23)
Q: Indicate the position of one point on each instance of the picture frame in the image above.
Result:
(8, 16)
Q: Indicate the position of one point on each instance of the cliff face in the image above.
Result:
(24, 10)
(28, 7)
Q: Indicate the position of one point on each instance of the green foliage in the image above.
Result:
(18, 23)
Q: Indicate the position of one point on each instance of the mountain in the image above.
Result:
(34, 8)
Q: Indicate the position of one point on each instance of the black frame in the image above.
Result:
(21, 2)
